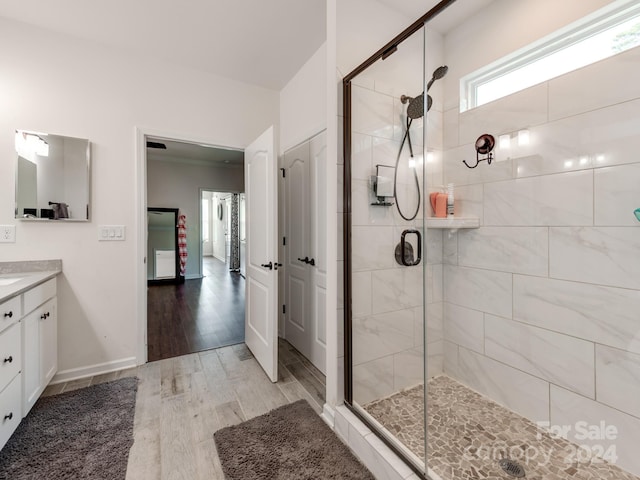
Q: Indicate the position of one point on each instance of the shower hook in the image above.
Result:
(484, 146)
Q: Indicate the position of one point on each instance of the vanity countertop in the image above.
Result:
(27, 280)
(18, 277)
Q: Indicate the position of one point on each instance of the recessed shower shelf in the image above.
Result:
(453, 223)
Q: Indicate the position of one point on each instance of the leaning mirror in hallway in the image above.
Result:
(52, 177)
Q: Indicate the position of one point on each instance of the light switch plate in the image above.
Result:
(7, 233)
(111, 233)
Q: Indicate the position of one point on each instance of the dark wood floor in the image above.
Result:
(197, 315)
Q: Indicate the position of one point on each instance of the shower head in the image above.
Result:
(415, 109)
(438, 73)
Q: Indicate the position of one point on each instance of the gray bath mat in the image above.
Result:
(291, 442)
(85, 434)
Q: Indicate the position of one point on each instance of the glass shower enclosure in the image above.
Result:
(492, 273)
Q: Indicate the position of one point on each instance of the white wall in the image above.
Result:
(57, 84)
(363, 27)
(178, 185)
(303, 106)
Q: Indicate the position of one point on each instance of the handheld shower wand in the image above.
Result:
(415, 110)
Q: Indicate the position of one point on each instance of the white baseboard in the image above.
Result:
(92, 370)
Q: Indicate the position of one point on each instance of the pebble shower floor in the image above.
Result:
(469, 435)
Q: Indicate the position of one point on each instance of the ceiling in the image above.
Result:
(261, 42)
(445, 21)
(194, 154)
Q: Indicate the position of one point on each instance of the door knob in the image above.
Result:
(268, 265)
(308, 261)
(276, 265)
(10, 314)
(8, 360)
(8, 417)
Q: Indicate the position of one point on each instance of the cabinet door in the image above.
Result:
(31, 360)
(48, 342)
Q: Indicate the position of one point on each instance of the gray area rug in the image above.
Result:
(291, 442)
(85, 434)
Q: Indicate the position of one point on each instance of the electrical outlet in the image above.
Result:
(7, 233)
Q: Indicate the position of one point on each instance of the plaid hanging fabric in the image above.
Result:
(234, 261)
(182, 242)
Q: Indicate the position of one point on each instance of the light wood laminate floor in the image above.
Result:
(182, 401)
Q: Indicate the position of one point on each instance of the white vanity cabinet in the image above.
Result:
(10, 368)
(28, 351)
(39, 341)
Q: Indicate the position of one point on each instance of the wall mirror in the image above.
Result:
(163, 259)
(52, 177)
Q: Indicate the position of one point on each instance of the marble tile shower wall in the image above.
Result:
(388, 314)
(542, 302)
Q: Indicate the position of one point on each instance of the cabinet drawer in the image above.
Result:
(38, 295)
(10, 355)
(10, 312)
(10, 414)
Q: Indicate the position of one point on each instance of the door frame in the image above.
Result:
(201, 190)
(141, 134)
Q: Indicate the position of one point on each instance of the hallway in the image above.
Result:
(198, 315)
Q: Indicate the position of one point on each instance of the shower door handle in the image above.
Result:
(403, 241)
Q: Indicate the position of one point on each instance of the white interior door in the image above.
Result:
(261, 334)
(206, 226)
(298, 322)
(306, 267)
(318, 277)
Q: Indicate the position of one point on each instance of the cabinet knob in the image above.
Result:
(8, 360)
(8, 417)
(10, 314)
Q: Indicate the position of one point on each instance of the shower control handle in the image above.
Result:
(403, 241)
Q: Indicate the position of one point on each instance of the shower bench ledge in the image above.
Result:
(453, 223)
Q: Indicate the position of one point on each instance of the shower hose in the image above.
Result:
(407, 136)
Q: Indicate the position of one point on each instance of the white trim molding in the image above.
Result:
(92, 370)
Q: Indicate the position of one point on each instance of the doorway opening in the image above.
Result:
(195, 296)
